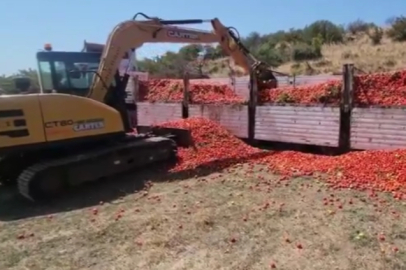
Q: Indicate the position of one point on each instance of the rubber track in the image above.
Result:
(28, 175)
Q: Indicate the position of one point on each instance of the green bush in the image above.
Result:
(397, 32)
(270, 55)
(327, 31)
(376, 35)
(303, 52)
(317, 42)
(359, 26)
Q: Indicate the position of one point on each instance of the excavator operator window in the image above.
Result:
(73, 77)
(45, 76)
(67, 72)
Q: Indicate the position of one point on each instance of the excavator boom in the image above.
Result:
(130, 35)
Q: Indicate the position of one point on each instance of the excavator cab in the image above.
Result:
(67, 72)
(72, 73)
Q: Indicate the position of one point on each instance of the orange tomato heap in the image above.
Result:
(328, 92)
(172, 91)
(369, 89)
(216, 148)
(380, 89)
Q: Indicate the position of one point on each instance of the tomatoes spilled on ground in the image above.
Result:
(166, 90)
(216, 148)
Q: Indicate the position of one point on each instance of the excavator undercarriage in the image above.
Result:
(46, 173)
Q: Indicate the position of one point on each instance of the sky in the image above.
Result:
(28, 24)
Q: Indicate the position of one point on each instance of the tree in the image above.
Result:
(359, 26)
(397, 32)
(268, 54)
(376, 35)
(326, 30)
(303, 52)
(294, 36)
(22, 84)
(8, 83)
(253, 40)
(210, 53)
(190, 52)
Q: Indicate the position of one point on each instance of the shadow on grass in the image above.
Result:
(15, 207)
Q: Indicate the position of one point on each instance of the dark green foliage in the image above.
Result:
(397, 32)
(303, 52)
(22, 83)
(359, 26)
(10, 85)
(327, 31)
(376, 35)
(267, 53)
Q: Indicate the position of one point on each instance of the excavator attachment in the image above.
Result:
(182, 137)
(130, 35)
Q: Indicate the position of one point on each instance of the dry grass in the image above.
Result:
(369, 58)
(229, 220)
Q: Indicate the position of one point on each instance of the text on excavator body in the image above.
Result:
(179, 34)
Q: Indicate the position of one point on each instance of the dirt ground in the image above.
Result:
(229, 220)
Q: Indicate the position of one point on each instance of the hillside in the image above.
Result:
(388, 55)
(319, 48)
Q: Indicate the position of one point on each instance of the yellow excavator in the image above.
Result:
(77, 129)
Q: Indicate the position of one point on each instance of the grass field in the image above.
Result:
(233, 219)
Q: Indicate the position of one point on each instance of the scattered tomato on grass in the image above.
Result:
(381, 237)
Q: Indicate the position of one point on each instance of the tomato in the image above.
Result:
(216, 148)
(380, 89)
(167, 90)
(327, 92)
(369, 89)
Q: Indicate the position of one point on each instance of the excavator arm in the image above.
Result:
(133, 34)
